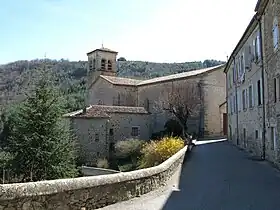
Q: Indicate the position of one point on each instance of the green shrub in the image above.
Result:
(102, 163)
(156, 152)
(128, 148)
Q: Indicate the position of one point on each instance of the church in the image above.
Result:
(121, 108)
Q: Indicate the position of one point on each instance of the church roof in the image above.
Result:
(121, 80)
(103, 111)
(104, 49)
(135, 82)
(178, 76)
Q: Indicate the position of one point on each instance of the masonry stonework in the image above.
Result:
(113, 96)
(272, 67)
(88, 192)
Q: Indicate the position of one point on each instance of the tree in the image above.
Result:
(42, 146)
(183, 101)
(121, 59)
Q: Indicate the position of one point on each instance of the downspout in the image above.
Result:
(201, 114)
(263, 92)
(236, 103)
(228, 110)
(107, 143)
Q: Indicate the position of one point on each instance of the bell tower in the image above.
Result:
(101, 61)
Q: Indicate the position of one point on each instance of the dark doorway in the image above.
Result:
(225, 124)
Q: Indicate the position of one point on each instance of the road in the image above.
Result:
(217, 176)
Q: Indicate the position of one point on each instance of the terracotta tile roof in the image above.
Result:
(102, 111)
(135, 82)
(121, 80)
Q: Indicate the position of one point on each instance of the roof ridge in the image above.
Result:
(138, 82)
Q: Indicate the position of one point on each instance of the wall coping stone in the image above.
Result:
(48, 187)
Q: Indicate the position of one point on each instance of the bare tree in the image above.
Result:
(183, 101)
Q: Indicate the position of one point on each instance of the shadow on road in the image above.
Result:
(178, 199)
(218, 176)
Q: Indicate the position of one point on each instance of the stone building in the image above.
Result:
(122, 108)
(253, 84)
(244, 91)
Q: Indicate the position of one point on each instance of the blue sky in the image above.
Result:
(149, 30)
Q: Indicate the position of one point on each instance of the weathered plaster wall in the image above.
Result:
(155, 93)
(158, 95)
(214, 89)
(103, 92)
(87, 192)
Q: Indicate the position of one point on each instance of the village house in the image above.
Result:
(122, 108)
(253, 85)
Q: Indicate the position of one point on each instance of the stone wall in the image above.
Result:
(87, 192)
(92, 138)
(92, 171)
(122, 123)
(272, 71)
(103, 92)
(245, 124)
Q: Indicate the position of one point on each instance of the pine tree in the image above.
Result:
(41, 144)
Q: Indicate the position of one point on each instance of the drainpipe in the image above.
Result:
(227, 104)
(263, 92)
(236, 103)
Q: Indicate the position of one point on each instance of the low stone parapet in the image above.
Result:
(87, 193)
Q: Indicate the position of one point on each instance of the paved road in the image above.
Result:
(217, 176)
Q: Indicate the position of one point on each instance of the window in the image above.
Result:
(111, 132)
(109, 65)
(258, 47)
(96, 136)
(259, 92)
(233, 74)
(244, 137)
(147, 104)
(257, 134)
(119, 99)
(234, 104)
(91, 66)
(103, 64)
(229, 80)
(232, 77)
(242, 64)
(251, 96)
(275, 89)
(273, 138)
(135, 131)
(239, 100)
(278, 78)
(100, 102)
(244, 99)
(254, 50)
(275, 32)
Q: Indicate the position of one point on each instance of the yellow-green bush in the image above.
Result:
(156, 152)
